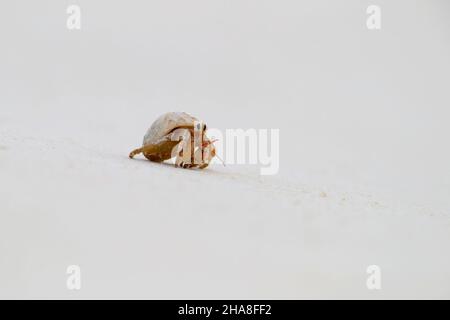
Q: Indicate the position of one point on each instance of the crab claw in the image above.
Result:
(207, 143)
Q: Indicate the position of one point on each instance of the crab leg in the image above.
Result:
(151, 148)
(183, 151)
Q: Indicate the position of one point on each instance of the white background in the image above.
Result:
(364, 161)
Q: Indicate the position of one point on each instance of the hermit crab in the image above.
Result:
(181, 136)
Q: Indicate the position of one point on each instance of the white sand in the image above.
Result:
(364, 176)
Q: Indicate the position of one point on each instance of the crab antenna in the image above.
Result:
(223, 162)
(207, 143)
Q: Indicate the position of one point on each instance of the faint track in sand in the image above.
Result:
(318, 198)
